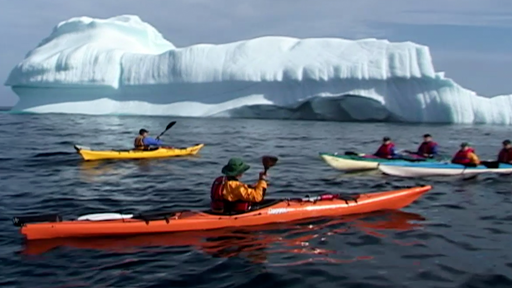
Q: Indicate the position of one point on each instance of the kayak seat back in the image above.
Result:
(20, 221)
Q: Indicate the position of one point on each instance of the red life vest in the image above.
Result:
(427, 148)
(505, 155)
(219, 204)
(462, 157)
(384, 150)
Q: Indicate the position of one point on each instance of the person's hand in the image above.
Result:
(158, 138)
(263, 176)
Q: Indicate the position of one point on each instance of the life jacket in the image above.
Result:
(384, 150)
(462, 156)
(139, 143)
(505, 155)
(427, 148)
(219, 204)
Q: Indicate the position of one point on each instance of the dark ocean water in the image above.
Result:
(457, 235)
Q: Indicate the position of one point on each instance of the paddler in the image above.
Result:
(466, 156)
(428, 148)
(144, 142)
(387, 149)
(229, 195)
(505, 155)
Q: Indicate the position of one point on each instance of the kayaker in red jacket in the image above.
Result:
(428, 148)
(229, 195)
(505, 155)
(466, 156)
(387, 149)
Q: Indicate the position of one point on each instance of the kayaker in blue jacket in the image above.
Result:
(144, 142)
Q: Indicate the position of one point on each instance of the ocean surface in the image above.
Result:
(458, 235)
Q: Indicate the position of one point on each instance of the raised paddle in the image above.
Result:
(169, 126)
(268, 161)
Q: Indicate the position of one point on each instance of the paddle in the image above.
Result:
(169, 126)
(268, 161)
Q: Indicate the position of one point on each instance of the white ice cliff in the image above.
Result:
(123, 65)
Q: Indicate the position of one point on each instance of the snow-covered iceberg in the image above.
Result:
(123, 65)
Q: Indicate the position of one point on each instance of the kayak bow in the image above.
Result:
(269, 211)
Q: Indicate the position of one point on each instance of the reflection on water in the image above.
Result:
(108, 170)
(256, 243)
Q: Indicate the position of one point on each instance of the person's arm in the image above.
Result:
(435, 150)
(474, 158)
(237, 191)
(392, 151)
(148, 141)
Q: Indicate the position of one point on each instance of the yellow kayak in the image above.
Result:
(161, 152)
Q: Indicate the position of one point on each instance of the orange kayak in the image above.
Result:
(269, 211)
(217, 242)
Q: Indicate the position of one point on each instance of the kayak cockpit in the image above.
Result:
(255, 207)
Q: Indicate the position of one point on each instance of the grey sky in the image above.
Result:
(471, 41)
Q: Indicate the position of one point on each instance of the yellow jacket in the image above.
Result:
(235, 190)
(474, 159)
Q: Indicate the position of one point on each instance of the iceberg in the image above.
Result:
(123, 65)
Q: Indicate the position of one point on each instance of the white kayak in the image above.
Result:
(348, 163)
(360, 162)
(422, 169)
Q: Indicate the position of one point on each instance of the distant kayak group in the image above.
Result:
(232, 202)
(429, 149)
(423, 162)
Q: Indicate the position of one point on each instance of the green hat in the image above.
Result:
(465, 144)
(235, 166)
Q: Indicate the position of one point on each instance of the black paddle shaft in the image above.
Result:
(169, 126)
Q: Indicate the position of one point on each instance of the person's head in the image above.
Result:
(386, 140)
(427, 137)
(506, 144)
(235, 168)
(464, 146)
(143, 132)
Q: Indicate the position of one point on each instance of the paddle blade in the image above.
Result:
(268, 161)
(170, 125)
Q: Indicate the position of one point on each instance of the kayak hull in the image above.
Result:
(220, 240)
(357, 163)
(348, 163)
(438, 169)
(90, 155)
(284, 210)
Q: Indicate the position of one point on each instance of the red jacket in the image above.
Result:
(219, 204)
(462, 156)
(505, 156)
(428, 148)
(386, 150)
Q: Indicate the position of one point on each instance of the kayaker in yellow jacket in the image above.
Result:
(466, 156)
(229, 195)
